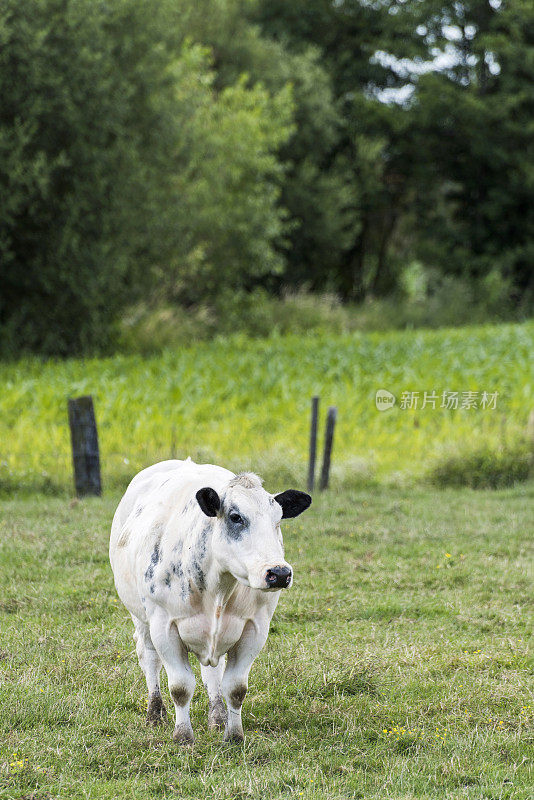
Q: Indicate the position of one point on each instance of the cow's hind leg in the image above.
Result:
(211, 678)
(150, 663)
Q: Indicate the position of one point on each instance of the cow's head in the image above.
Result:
(247, 539)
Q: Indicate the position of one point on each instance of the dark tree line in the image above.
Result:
(175, 151)
(446, 175)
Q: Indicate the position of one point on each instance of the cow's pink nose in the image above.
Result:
(278, 577)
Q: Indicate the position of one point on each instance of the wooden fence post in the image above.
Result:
(84, 438)
(313, 442)
(530, 428)
(328, 443)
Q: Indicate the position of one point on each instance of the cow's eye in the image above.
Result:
(236, 518)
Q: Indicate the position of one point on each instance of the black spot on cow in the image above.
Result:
(198, 576)
(236, 525)
(154, 560)
(179, 694)
(168, 580)
(198, 557)
(237, 695)
(178, 570)
(156, 555)
(138, 511)
(152, 588)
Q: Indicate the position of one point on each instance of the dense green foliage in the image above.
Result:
(123, 172)
(482, 215)
(398, 665)
(177, 152)
(244, 403)
(486, 468)
(420, 302)
(444, 172)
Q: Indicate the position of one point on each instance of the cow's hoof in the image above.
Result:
(156, 713)
(235, 737)
(183, 734)
(217, 715)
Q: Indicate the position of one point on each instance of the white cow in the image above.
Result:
(198, 561)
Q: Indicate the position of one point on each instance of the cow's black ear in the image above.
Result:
(209, 501)
(293, 503)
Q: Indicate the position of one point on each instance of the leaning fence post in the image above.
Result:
(328, 442)
(313, 442)
(84, 438)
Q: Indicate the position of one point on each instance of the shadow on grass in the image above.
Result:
(350, 684)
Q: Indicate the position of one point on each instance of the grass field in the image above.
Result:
(398, 665)
(245, 404)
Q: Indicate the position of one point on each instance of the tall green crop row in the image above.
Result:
(245, 403)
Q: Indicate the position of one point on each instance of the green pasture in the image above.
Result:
(245, 403)
(399, 665)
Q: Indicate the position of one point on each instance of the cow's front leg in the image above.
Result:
(235, 679)
(172, 652)
(212, 678)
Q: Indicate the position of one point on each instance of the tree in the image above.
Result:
(226, 187)
(315, 190)
(435, 103)
(123, 170)
(77, 113)
(476, 122)
(368, 150)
